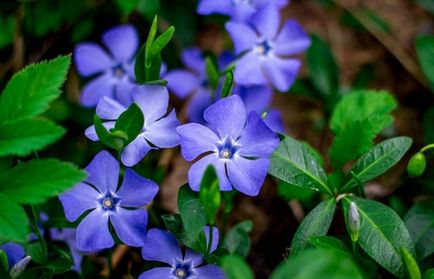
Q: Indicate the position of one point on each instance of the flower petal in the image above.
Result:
(247, 176)
(267, 21)
(281, 72)
(14, 252)
(256, 98)
(196, 139)
(91, 59)
(162, 133)
(182, 82)
(123, 91)
(227, 116)
(78, 200)
(292, 39)
(215, 237)
(161, 246)
(96, 89)
(210, 271)
(136, 191)
(130, 225)
(197, 170)
(208, 7)
(193, 59)
(135, 151)
(274, 121)
(93, 232)
(153, 100)
(197, 105)
(103, 172)
(109, 109)
(243, 36)
(243, 12)
(122, 41)
(91, 132)
(257, 140)
(248, 70)
(156, 273)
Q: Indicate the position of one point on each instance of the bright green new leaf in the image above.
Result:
(209, 194)
(411, 264)
(25, 136)
(425, 54)
(30, 91)
(13, 220)
(228, 84)
(377, 161)
(420, 223)
(236, 268)
(316, 223)
(130, 122)
(237, 240)
(212, 72)
(161, 42)
(295, 164)
(37, 180)
(329, 243)
(382, 234)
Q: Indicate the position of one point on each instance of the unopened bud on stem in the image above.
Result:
(354, 222)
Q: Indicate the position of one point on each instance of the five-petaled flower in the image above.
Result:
(114, 70)
(236, 144)
(265, 51)
(238, 10)
(123, 207)
(162, 246)
(158, 129)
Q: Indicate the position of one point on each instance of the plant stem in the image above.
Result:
(427, 147)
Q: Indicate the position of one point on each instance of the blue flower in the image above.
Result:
(158, 129)
(114, 71)
(123, 208)
(237, 144)
(68, 235)
(265, 51)
(238, 10)
(14, 252)
(163, 247)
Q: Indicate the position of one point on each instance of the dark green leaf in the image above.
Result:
(130, 122)
(227, 85)
(237, 240)
(428, 128)
(316, 223)
(209, 194)
(35, 181)
(192, 212)
(127, 6)
(7, 25)
(212, 72)
(13, 220)
(114, 140)
(236, 268)
(37, 251)
(429, 274)
(329, 243)
(413, 270)
(289, 192)
(148, 8)
(30, 91)
(377, 161)
(24, 136)
(425, 54)
(382, 234)
(4, 264)
(293, 163)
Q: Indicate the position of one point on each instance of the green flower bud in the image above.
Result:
(417, 164)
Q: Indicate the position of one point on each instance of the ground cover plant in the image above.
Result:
(220, 139)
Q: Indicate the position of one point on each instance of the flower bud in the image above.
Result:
(417, 164)
(354, 222)
(19, 267)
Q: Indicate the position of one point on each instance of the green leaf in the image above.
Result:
(35, 181)
(377, 161)
(425, 54)
(209, 194)
(329, 243)
(429, 274)
(114, 140)
(237, 240)
(13, 220)
(148, 8)
(236, 268)
(4, 264)
(130, 122)
(25, 136)
(382, 233)
(161, 42)
(411, 264)
(228, 84)
(316, 223)
(212, 72)
(420, 223)
(295, 164)
(127, 6)
(290, 192)
(318, 264)
(192, 212)
(30, 91)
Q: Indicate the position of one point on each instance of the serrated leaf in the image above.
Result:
(329, 243)
(236, 268)
(294, 163)
(377, 161)
(237, 240)
(420, 223)
(37, 180)
(316, 223)
(425, 54)
(30, 91)
(382, 234)
(25, 136)
(13, 220)
(130, 122)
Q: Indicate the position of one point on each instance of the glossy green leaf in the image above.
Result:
(161, 42)
(318, 264)
(25, 136)
(228, 84)
(114, 140)
(35, 181)
(329, 243)
(209, 194)
(295, 164)
(382, 234)
(377, 161)
(316, 223)
(237, 240)
(413, 270)
(30, 91)
(420, 223)
(425, 54)
(131, 122)
(13, 220)
(236, 268)
(192, 212)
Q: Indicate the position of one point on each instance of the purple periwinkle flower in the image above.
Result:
(123, 207)
(237, 10)
(114, 69)
(237, 144)
(265, 51)
(158, 129)
(14, 252)
(162, 246)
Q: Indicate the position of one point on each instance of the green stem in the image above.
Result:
(35, 228)
(427, 147)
